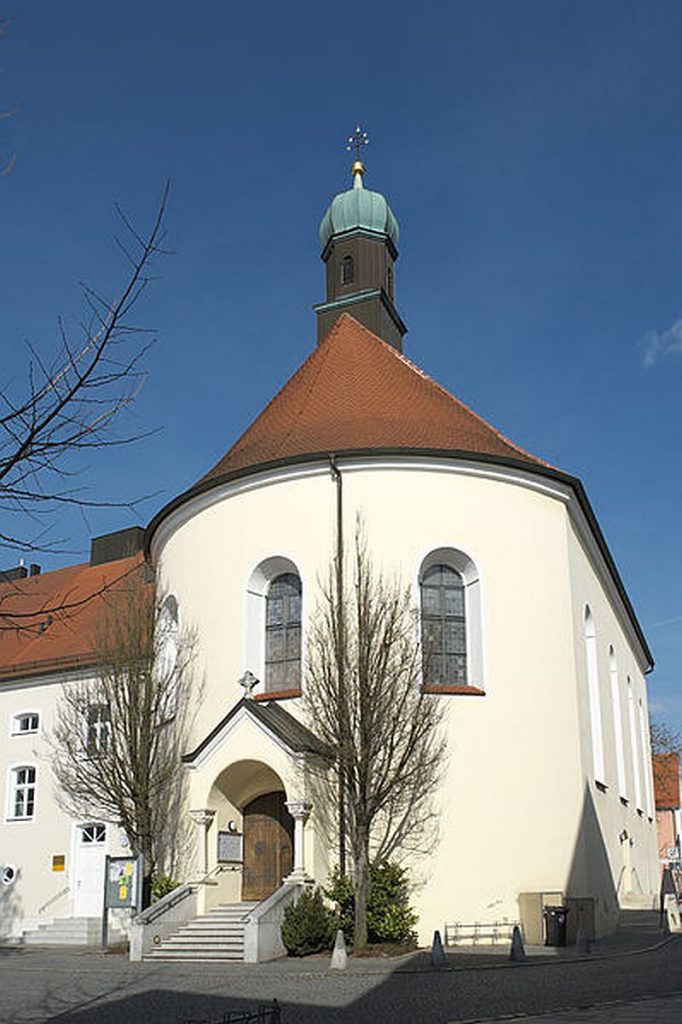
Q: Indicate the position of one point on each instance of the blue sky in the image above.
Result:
(532, 153)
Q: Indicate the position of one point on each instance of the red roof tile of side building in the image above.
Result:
(49, 622)
(666, 771)
(357, 392)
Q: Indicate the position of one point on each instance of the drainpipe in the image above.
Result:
(340, 659)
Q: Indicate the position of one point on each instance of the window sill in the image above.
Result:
(446, 688)
(277, 695)
(11, 821)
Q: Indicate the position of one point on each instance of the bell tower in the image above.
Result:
(359, 236)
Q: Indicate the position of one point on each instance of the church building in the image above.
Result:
(546, 795)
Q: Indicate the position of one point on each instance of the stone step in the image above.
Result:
(192, 933)
(183, 956)
(70, 931)
(217, 935)
(641, 920)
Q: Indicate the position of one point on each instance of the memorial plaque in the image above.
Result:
(230, 847)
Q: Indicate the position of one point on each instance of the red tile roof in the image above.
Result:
(357, 392)
(666, 769)
(49, 622)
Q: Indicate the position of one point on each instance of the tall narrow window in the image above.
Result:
(97, 730)
(634, 747)
(22, 792)
(347, 270)
(389, 281)
(594, 697)
(283, 633)
(167, 645)
(617, 725)
(646, 760)
(443, 626)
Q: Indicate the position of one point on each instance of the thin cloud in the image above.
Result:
(666, 622)
(658, 344)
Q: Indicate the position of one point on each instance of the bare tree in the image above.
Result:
(666, 743)
(119, 735)
(365, 699)
(68, 403)
(664, 738)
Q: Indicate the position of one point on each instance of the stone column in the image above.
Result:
(300, 812)
(202, 819)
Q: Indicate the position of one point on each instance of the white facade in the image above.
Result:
(56, 862)
(522, 808)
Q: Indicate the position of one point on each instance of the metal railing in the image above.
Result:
(53, 899)
(271, 1014)
(481, 933)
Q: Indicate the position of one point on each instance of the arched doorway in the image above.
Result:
(268, 845)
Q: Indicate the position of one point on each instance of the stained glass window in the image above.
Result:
(283, 633)
(444, 650)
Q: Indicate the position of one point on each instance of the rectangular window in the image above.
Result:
(98, 726)
(23, 724)
(22, 792)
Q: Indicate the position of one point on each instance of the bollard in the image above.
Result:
(517, 953)
(437, 954)
(339, 955)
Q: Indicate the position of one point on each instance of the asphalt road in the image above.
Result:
(78, 987)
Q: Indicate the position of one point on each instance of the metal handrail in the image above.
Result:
(53, 899)
(173, 897)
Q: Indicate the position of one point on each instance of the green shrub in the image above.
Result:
(308, 927)
(340, 890)
(389, 915)
(162, 885)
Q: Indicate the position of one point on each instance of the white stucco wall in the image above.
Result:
(39, 893)
(518, 809)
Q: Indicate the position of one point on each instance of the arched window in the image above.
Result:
(283, 633)
(594, 697)
(347, 270)
(444, 647)
(167, 647)
(451, 635)
(634, 747)
(617, 725)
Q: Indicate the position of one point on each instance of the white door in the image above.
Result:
(91, 843)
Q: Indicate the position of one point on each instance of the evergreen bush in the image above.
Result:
(390, 917)
(308, 927)
(162, 885)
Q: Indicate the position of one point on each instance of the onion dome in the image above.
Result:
(358, 209)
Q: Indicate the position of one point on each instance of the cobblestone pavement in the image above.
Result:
(83, 987)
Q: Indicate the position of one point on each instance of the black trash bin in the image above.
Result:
(555, 926)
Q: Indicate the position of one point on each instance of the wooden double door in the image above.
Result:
(268, 845)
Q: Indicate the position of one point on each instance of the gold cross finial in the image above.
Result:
(356, 141)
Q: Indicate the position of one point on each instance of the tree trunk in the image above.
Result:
(361, 889)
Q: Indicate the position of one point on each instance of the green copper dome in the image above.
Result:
(359, 208)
